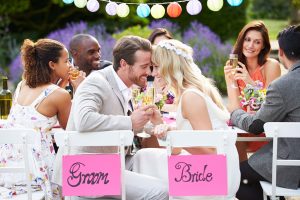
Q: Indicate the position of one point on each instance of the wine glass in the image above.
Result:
(147, 99)
(233, 61)
(74, 73)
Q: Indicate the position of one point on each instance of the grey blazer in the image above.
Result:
(282, 105)
(98, 105)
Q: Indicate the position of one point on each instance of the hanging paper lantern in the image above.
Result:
(235, 2)
(174, 9)
(194, 7)
(68, 1)
(143, 10)
(80, 3)
(93, 5)
(111, 8)
(215, 5)
(122, 10)
(157, 11)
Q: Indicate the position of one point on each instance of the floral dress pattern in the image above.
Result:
(43, 154)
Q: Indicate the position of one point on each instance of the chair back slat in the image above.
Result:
(106, 138)
(17, 136)
(208, 138)
(24, 137)
(282, 129)
(219, 139)
(120, 138)
(278, 130)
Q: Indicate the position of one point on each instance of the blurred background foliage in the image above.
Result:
(20, 19)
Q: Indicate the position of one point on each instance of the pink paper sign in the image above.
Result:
(91, 175)
(197, 175)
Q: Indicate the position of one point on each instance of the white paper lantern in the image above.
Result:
(80, 3)
(157, 11)
(111, 8)
(92, 5)
(215, 5)
(122, 10)
(194, 7)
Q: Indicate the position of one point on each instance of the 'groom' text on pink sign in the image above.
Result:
(90, 175)
(197, 175)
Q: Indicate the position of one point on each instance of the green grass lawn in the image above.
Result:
(275, 26)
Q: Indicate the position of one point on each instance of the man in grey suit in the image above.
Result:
(101, 103)
(282, 105)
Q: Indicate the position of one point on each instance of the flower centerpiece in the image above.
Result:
(252, 97)
(161, 100)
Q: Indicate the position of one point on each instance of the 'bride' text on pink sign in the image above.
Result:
(90, 175)
(197, 175)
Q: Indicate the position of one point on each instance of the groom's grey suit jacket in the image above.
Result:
(98, 105)
(282, 105)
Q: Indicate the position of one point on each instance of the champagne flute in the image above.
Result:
(147, 99)
(233, 62)
(135, 93)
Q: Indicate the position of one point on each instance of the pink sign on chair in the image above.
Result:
(91, 175)
(197, 175)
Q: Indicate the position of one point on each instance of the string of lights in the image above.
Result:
(157, 10)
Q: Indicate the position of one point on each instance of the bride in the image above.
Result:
(199, 108)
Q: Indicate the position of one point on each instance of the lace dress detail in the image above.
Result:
(43, 154)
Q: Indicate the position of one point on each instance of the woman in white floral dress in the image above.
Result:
(38, 103)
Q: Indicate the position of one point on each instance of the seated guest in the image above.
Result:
(38, 104)
(199, 107)
(282, 105)
(252, 47)
(101, 103)
(86, 53)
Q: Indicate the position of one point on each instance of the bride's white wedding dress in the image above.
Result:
(153, 162)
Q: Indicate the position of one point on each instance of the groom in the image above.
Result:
(282, 105)
(101, 103)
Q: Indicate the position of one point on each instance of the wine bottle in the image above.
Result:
(5, 99)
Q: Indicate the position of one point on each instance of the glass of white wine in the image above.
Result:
(147, 99)
(233, 62)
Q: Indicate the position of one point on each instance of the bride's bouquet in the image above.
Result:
(252, 97)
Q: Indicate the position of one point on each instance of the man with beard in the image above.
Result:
(86, 53)
(101, 103)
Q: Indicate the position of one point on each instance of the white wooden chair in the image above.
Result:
(277, 130)
(218, 139)
(120, 138)
(24, 137)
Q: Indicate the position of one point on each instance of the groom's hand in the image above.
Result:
(141, 116)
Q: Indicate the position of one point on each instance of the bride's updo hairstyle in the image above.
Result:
(35, 59)
(177, 67)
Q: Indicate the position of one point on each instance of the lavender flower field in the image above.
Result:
(210, 53)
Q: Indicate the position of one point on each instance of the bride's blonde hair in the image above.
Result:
(178, 69)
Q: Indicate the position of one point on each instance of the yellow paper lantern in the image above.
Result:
(215, 5)
(80, 3)
(123, 10)
(157, 11)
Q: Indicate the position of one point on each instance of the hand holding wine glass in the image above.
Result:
(144, 101)
(233, 62)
